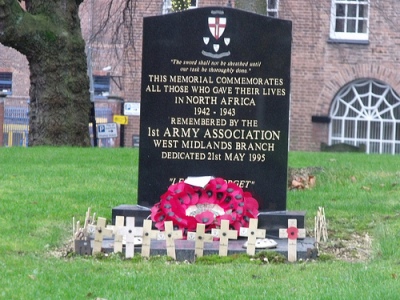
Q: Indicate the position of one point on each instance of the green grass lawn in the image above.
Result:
(42, 189)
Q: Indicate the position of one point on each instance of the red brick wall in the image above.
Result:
(320, 69)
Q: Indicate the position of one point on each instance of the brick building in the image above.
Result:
(345, 62)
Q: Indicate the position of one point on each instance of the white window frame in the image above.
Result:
(167, 6)
(272, 8)
(366, 112)
(347, 18)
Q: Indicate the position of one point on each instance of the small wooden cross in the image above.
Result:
(252, 234)
(130, 231)
(200, 237)
(101, 232)
(148, 234)
(225, 235)
(292, 233)
(170, 236)
(118, 236)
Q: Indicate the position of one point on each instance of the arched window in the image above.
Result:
(366, 112)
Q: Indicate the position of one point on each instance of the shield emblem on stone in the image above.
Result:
(217, 26)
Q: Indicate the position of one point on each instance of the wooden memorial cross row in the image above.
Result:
(292, 233)
(252, 234)
(170, 236)
(200, 237)
(130, 231)
(148, 234)
(224, 236)
(101, 232)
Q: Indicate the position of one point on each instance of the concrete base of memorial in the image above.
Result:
(271, 221)
(185, 249)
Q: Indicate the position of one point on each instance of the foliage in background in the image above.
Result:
(179, 5)
(48, 33)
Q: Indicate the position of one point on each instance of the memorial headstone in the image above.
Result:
(215, 102)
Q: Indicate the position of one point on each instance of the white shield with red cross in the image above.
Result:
(217, 26)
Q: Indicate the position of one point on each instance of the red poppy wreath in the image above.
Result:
(186, 205)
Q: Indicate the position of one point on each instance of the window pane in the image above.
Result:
(272, 4)
(397, 138)
(341, 109)
(6, 83)
(349, 129)
(351, 26)
(363, 11)
(387, 131)
(340, 10)
(339, 27)
(352, 10)
(397, 149)
(387, 148)
(101, 86)
(373, 147)
(362, 26)
(362, 129)
(375, 130)
(336, 128)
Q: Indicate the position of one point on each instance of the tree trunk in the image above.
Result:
(258, 6)
(49, 34)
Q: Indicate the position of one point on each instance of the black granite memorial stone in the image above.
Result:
(215, 102)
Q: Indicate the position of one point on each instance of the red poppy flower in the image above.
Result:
(234, 191)
(206, 217)
(218, 187)
(292, 233)
(250, 205)
(180, 187)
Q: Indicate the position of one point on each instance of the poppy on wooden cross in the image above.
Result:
(292, 233)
